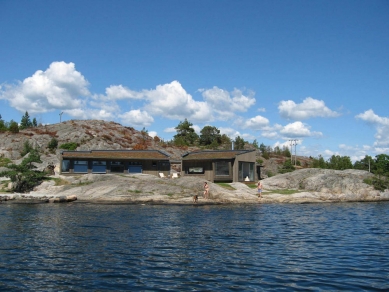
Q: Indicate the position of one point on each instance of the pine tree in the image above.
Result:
(25, 176)
(186, 135)
(25, 122)
(3, 126)
(210, 136)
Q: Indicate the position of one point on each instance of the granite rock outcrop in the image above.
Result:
(307, 185)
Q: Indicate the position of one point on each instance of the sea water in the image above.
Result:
(280, 247)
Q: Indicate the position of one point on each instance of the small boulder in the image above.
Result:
(71, 198)
(60, 199)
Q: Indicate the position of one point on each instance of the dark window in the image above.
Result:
(65, 165)
(117, 166)
(222, 168)
(196, 170)
(164, 165)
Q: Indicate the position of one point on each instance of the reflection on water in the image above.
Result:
(77, 247)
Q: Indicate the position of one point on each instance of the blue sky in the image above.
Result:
(315, 71)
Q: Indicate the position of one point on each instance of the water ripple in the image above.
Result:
(81, 247)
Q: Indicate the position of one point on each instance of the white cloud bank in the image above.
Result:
(309, 108)
(62, 87)
(59, 87)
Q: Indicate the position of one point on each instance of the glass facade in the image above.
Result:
(80, 166)
(99, 166)
(65, 166)
(246, 171)
(222, 168)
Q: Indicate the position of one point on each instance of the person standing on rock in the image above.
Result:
(259, 187)
(206, 190)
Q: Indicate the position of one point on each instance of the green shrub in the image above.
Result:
(287, 167)
(27, 147)
(266, 155)
(53, 144)
(368, 181)
(69, 146)
(13, 127)
(3, 126)
(4, 161)
(380, 183)
(25, 176)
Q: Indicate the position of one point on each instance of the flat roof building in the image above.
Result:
(221, 165)
(115, 161)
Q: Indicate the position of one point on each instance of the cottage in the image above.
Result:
(223, 165)
(115, 161)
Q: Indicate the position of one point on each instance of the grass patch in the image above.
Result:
(85, 183)
(226, 186)
(4, 186)
(282, 192)
(252, 186)
(368, 181)
(169, 194)
(59, 181)
(4, 161)
(125, 175)
(135, 191)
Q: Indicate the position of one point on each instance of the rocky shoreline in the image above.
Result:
(305, 186)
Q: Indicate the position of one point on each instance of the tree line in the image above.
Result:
(379, 166)
(211, 138)
(14, 127)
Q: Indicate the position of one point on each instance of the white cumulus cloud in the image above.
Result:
(370, 117)
(59, 87)
(298, 129)
(257, 123)
(172, 101)
(117, 92)
(225, 103)
(136, 118)
(153, 134)
(170, 130)
(309, 108)
(382, 127)
(270, 135)
(231, 133)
